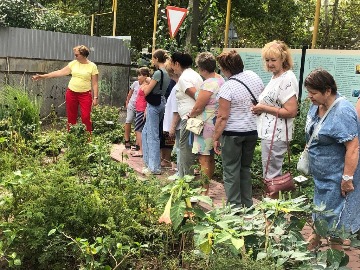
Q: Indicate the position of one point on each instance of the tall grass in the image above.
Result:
(19, 111)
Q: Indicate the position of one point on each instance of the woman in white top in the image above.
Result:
(279, 98)
(189, 82)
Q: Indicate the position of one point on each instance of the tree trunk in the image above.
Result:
(192, 35)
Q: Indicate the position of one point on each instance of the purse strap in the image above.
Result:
(318, 126)
(254, 101)
(161, 79)
(272, 142)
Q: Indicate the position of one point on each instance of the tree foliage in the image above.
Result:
(24, 14)
(256, 21)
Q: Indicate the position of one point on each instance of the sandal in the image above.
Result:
(136, 154)
(135, 147)
(127, 145)
(166, 163)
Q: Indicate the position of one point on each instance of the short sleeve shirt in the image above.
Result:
(189, 78)
(81, 75)
(170, 108)
(241, 119)
(135, 87)
(277, 92)
(165, 84)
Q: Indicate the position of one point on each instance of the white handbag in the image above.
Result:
(195, 125)
(303, 163)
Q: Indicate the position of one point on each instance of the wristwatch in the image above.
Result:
(95, 97)
(347, 177)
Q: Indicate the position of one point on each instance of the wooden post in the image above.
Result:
(155, 25)
(114, 11)
(227, 23)
(92, 24)
(316, 24)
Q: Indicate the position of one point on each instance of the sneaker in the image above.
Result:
(193, 200)
(174, 177)
(146, 171)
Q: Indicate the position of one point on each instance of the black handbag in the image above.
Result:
(155, 99)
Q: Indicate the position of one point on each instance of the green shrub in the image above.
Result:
(19, 110)
(106, 123)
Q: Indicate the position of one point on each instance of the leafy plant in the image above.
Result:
(19, 112)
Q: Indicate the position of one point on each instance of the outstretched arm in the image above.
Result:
(58, 73)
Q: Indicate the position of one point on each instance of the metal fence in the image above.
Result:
(46, 45)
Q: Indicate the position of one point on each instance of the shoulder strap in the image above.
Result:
(318, 126)
(162, 78)
(272, 142)
(254, 98)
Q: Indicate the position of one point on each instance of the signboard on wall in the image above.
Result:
(344, 65)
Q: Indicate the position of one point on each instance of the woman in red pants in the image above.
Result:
(84, 79)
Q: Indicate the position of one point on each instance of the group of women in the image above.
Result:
(237, 112)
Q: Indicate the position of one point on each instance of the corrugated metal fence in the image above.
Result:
(38, 44)
(25, 52)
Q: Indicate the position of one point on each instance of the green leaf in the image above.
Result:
(246, 233)
(205, 247)
(202, 229)
(321, 227)
(17, 262)
(238, 243)
(199, 213)
(222, 237)
(51, 232)
(204, 199)
(177, 213)
(261, 255)
(336, 256)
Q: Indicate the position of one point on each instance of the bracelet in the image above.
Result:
(95, 97)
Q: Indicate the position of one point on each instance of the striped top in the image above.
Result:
(241, 119)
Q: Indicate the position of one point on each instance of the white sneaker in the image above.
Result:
(173, 177)
(146, 171)
(193, 200)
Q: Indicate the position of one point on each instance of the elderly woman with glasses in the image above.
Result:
(83, 81)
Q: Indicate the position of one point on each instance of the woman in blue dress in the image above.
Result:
(333, 157)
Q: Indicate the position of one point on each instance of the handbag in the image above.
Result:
(303, 163)
(195, 125)
(155, 99)
(283, 182)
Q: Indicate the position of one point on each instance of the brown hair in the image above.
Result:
(278, 48)
(169, 70)
(160, 55)
(83, 50)
(206, 61)
(231, 61)
(144, 71)
(321, 80)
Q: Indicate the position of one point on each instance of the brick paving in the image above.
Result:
(217, 194)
